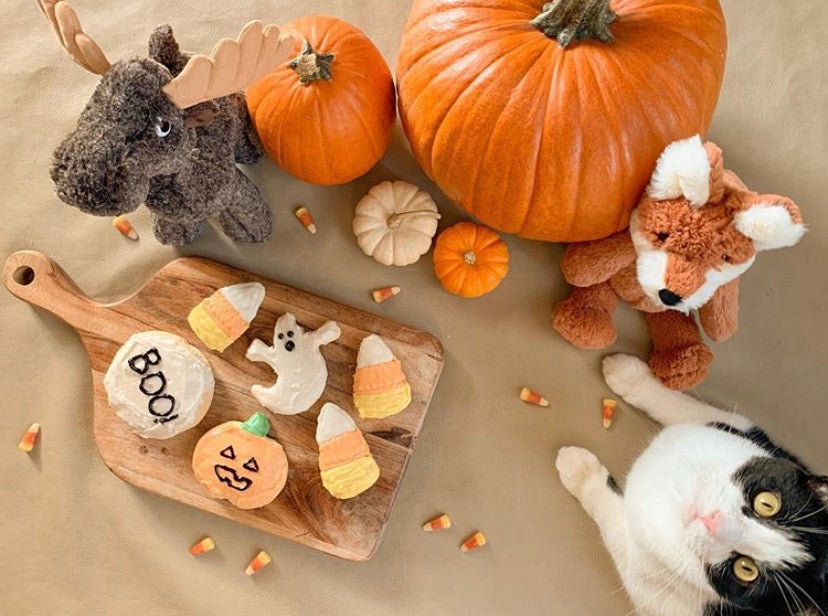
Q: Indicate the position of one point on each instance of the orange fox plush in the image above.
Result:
(695, 231)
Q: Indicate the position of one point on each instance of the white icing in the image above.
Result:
(333, 421)
(247, 298)
(302, 371)
(372, 351)
(188, 376)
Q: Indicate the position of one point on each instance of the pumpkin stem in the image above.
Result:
(312, 65)
(570, 20)
(396, 218)
(470, 258)
(257, 424)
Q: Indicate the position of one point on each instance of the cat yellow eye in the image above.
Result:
(745, 569)
(767, 504)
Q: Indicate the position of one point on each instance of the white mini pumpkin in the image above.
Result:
(395, 222)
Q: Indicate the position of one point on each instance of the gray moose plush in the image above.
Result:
(167, 131)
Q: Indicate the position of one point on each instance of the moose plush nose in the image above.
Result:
(290, 345)
(669, 298)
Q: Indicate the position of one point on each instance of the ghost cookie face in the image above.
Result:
(159, 385)
(237, 462)
(300, 366)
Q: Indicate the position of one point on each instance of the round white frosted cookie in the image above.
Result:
(159, 384)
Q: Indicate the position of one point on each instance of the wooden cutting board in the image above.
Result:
(304, 511)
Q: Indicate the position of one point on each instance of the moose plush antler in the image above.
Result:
(167, 131)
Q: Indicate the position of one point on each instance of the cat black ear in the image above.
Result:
(820, 486)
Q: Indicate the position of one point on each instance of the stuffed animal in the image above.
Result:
(695, 231)
(167, 131)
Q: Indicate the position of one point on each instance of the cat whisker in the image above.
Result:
(813, 513)
(804, 592)
(784, 596)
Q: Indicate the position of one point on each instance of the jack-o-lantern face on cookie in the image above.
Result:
(238, 462)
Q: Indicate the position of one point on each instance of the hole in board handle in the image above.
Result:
(24, 275)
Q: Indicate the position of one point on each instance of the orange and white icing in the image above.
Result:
(381, 388)
(222, 318)
(345, 461)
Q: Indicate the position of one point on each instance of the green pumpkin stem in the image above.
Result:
(257, 424)
(312, 65)
(571, 20)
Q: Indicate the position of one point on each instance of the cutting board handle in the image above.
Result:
(36, 279)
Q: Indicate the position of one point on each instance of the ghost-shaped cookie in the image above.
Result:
(298, 363)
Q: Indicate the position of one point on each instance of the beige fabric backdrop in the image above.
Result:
(74, 539)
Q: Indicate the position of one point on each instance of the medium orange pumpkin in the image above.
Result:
(326, 116)
(551, 142)
(470, 260)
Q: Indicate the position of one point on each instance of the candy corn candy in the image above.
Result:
(304, 216)
(380, 295)
(380, 386)
(439, 523)
(203, 546)
(345, 462)
(261, 560)
(533, 397)
(27, 442)
(608, 407)
(125, 227)
(477, 540)
(223, 317)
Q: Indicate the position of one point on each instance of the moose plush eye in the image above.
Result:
(162, 127)
(767, 504)
(745, 569)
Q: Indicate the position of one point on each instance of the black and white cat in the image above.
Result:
(715, 519)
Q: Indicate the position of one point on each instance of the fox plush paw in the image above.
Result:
(582, 326)
(682, 368)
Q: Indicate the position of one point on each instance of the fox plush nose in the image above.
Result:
(669, 298)
(712, 521)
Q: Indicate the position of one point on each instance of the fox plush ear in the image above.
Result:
(771, 222)
(683, 170)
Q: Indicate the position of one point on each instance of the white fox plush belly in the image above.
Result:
(714, 518)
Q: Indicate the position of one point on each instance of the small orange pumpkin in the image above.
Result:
(470, 260)
(236, 461)
(326, 116)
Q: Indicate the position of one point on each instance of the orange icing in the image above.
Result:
(379, 377)
(225, 315)
(342, 449)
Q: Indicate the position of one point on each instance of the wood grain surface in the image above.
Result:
(304, 511)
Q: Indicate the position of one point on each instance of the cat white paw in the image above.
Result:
(625, 373)
(577, 467)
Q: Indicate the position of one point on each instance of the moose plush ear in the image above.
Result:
(771, 222)
(163, 48)
(683, 169)
(201, 114)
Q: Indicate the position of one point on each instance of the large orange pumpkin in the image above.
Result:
(546, 141)
(326, 116)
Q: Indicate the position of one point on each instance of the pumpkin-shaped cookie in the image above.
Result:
(470, 260)
(237, 462)
(394, 223)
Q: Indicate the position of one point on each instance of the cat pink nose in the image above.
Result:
(712, 521)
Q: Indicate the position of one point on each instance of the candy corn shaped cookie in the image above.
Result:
(380, 386)
(346, 463)
(223, 317)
